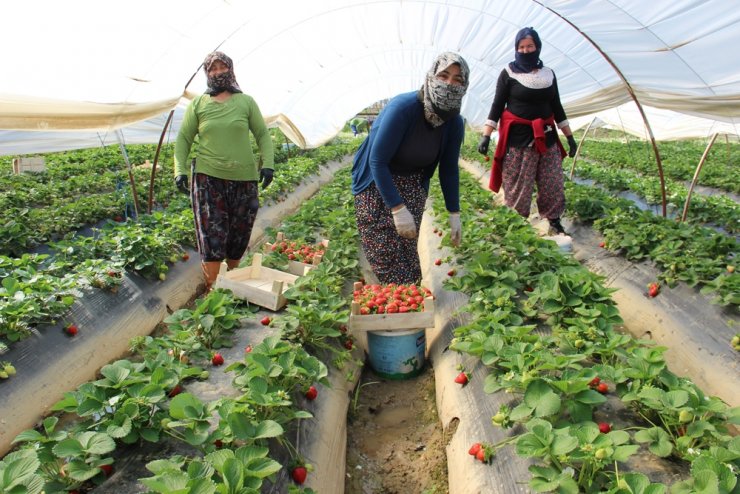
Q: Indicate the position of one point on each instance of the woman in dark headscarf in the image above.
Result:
(526, 111)
(413, 135)
(224, 184)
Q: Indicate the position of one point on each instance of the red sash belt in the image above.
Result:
(538, 128)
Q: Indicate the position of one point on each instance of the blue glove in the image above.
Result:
(266, 175)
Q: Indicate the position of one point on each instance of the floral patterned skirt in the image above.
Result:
(224, 212)
(525, 167)
(393, 259)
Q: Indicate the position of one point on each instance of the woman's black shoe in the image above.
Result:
(556, 227)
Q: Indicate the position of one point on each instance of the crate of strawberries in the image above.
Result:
(300, 257)
(388, 307)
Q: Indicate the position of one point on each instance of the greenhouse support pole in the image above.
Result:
(727, 142)
(631, 93)
(130, 172)
(696, 176)
(161, 139)
(578, 151)
(156, 158)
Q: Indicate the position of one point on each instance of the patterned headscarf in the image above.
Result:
(526, 62)
(442, 101)
(225, 81)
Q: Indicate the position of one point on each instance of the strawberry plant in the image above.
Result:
(244, 468)
(271, 371)
(18, 473)
(208, 325)
(692, 254)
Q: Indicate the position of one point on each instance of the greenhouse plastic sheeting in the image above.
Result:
(73, 65)
(667, 125)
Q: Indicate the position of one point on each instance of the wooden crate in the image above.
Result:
(257, 284)
(384, 322)
(35, 164)
(295, 267)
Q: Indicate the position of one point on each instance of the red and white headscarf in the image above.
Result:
(226, 81)
(442, 101)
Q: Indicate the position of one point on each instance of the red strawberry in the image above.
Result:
(265, 320)
(487, 158)
(451, 272)
(217, 359)
(218, 443)
(602, 244)
(118, 218)
(312, 393)
(248, 349)
(653, 289)
(71, 329)
(474, 449)
(299, 475)
(107, 469)
(185, 256)
(462, 378)
(604, 428)
(348, 344)
(175, 391)
(602, 388)
(481, 455)
(594, 382)
(438, 262)
(342, 328)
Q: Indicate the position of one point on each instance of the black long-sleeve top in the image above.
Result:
(531, 95)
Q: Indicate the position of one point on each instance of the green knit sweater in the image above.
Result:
(224, 147)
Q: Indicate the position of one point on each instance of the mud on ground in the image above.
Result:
(395, 441)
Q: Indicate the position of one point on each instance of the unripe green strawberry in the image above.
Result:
(3, 374)
(600, 454)
(685, 416)
(9, 369)
(499, 418)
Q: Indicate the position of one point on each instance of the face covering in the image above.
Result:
(526, 62)
(225, 81)
(442, 101)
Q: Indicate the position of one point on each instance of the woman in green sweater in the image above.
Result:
(225, 176)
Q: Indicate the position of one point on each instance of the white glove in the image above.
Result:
(455, 229)
(405, 225)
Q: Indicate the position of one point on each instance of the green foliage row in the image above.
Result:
(140, 401)
(679, 159)
(545, 329)
(717, 210)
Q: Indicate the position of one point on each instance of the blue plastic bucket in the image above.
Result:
(397, 354)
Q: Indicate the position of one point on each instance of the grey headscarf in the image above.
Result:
(225, 81)
(442, 101)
